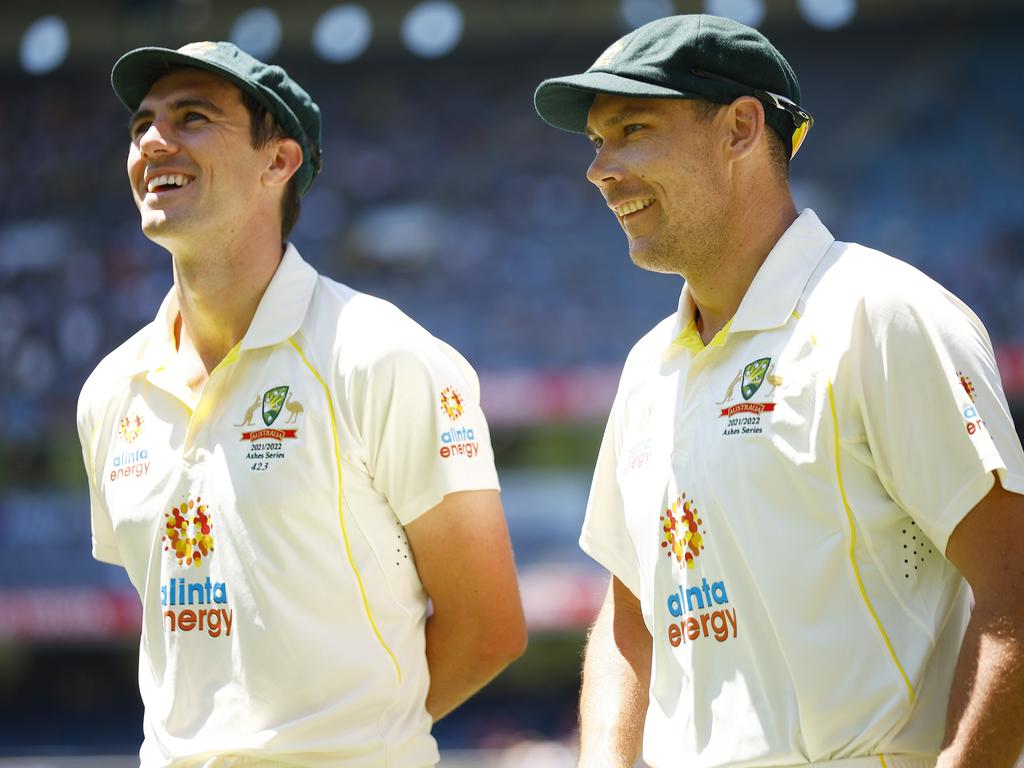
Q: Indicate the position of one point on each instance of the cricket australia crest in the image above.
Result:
(273, 439)
(273, 402)
(753, 377)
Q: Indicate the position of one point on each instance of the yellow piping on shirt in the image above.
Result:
(882, 758)
(341, 509)
(853, 537)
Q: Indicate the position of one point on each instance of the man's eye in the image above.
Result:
(632, 128)
(191, 117)
(139, 128)
(595, 142)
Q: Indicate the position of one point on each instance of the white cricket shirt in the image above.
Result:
(780, 502)
(262, 525)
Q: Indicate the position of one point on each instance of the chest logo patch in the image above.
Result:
(745, 417)
(271, 406)
(273, 401)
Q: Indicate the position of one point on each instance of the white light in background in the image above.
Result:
(343, 32)
(828, 14)
(433, 28)
(257, 32)
(749, 12)
(44, 46)
(636, 13)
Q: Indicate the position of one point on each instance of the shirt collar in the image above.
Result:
(279, 315)
(779, 283)
(284, 304)
(776, 288)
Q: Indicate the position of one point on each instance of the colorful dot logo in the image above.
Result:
(130, 428)
(189, 532)
(965, 382)
(682, 537)
(451, 403)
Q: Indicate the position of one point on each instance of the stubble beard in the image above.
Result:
(690, 250)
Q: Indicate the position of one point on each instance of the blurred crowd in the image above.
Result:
(444, 193)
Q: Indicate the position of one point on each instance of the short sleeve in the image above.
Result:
(936, 418)
(605, 536)
(423, 428)
(104, 545)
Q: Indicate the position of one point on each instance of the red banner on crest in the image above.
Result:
(747, 408)
(269, 434)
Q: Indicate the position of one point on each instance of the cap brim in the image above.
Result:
(135, 72)
(565, 102)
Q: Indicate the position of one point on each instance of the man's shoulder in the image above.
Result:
(115, 369)
(875, 286)
(369, 331)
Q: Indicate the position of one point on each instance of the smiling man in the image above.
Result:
(271, 459)
(805, 465)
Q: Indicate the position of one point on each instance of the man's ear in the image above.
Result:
(746, 126)
(285, 161)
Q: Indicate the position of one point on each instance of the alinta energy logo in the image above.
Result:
(133, 462)
(456, 440)
(190, 605)
(696, 611)
(972, 420)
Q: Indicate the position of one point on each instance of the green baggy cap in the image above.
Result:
(693, 56)
(293, 109)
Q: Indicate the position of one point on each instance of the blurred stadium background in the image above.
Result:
(444, 193)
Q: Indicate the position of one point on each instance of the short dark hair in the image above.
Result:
(777, 144)
(263, 129)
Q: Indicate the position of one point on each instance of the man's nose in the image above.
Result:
(604, 169)
(156, 139)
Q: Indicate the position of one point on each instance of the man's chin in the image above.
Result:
(159, 228)
(649, 258)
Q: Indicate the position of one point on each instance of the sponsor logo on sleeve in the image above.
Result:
(190, 604)
(457, 440)
(131, 460)
(967, 384)
(973, 422)
(701, 610)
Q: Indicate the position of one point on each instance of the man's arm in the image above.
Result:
(986, 704)
(464, 558)
(616, 678)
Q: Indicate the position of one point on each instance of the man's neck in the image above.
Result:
(751, 236)
(218, 294)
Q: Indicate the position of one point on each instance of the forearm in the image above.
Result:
(613, 702)
(986, 705)
(462, 660)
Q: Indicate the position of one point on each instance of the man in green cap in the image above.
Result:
(287, 469)
(804, 466)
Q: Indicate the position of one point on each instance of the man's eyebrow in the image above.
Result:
(627, 113)
(185, 103)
